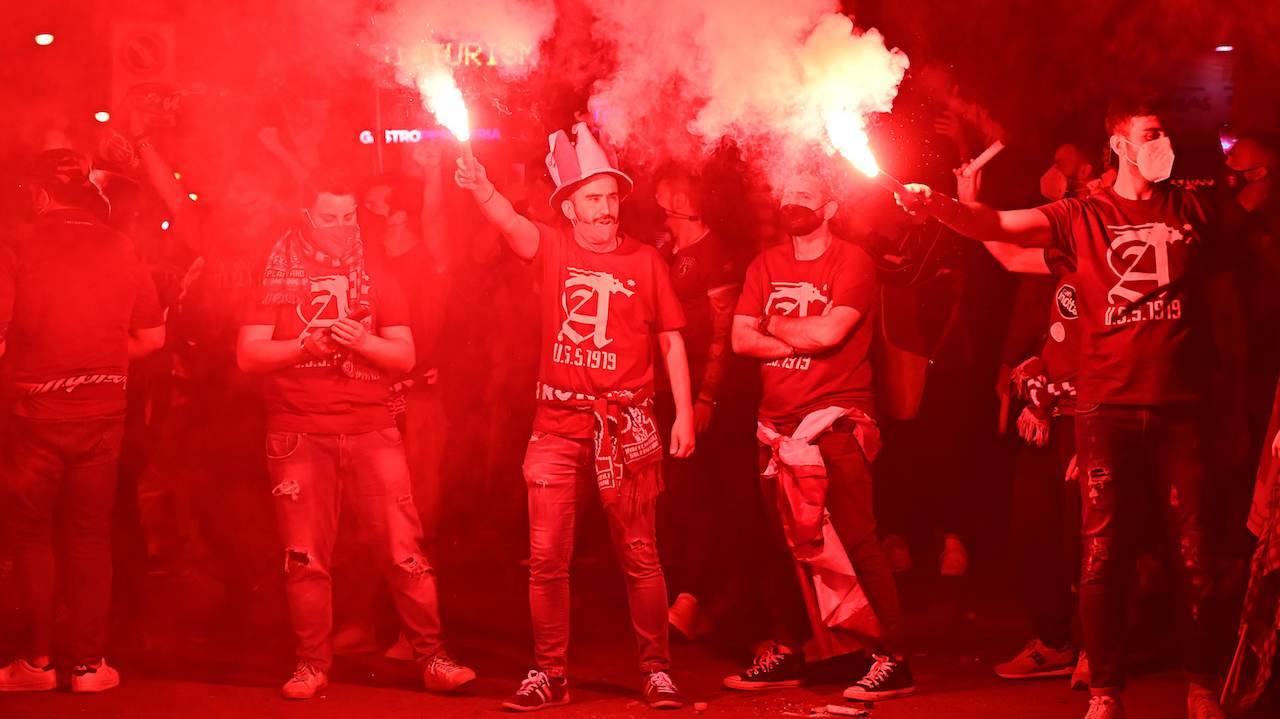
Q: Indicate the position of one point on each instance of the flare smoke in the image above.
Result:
(763, 73)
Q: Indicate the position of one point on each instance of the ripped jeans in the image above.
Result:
(558, 472)
(1130, 458)
(313, 476)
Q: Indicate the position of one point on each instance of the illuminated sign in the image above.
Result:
(414, 136)
(480, 54)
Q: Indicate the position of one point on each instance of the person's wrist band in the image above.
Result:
(493, 190)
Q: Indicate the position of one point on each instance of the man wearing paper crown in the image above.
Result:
(604, 298)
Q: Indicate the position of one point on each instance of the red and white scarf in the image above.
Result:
(286, 281)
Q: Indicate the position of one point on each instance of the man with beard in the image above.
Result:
(605, 300)
(806, 313)
(1142, 253)
(329, 333)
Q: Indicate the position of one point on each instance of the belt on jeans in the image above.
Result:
(69, 384)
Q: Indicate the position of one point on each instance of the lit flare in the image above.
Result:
(847, 132)
(444, 100)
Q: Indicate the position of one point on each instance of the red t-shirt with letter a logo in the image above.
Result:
(315, 396)
(601, 313)
(1139, 267)
(777, 283)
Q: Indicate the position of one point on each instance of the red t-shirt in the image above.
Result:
(71, 289)
(315, 396)
(777, 283)
(425, 291)
(601, 313)
(1138, 267)
(697, 272)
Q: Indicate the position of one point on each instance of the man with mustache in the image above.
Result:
(604, 297)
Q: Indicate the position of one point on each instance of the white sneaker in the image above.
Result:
(955, 558)
(442, 674)
(89, 678)
(306, 682)
(1038, 660)
(683, 614)
(22, 676)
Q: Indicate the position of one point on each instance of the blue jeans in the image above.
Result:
(60, 479)
(1127, 457)
(313, 476)
(558, 472)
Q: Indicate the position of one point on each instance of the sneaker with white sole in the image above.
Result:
(441, 673)
(888, 678)
(539, 691)
(1102, 706)
(23, 676)
(774, 668)
(1038, 660)
(306, 682)
(90, 678)
(660, 692)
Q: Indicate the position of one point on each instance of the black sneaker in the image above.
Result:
(888, 678)
(539, 691)
(661, 693)
(774, 668)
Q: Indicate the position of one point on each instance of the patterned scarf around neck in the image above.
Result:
(286, 281)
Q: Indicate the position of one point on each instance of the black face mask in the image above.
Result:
(1235, 180)
(373, 227)
(799, 220)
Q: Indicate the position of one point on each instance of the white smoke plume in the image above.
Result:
(764, 73)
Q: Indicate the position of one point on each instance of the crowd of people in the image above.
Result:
(661, 373)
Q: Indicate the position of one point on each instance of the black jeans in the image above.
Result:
(60, 477)
(1133, 459)
(1045, 533)
(849, 499)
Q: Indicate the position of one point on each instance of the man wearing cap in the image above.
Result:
(604, 298)
(76, 305)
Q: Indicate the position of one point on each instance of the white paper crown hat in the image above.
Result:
(571, 163)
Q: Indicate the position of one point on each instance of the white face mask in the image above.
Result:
(1053, 184)
(1155, 159)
